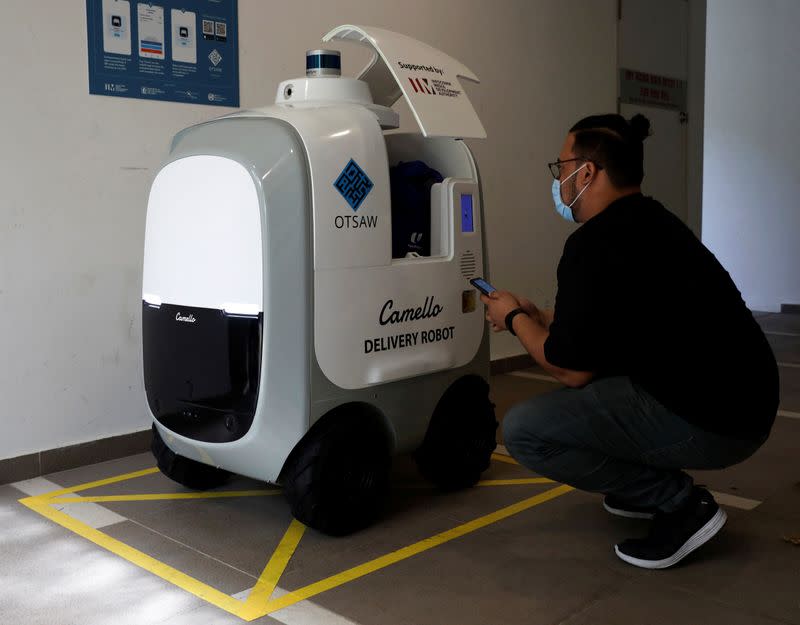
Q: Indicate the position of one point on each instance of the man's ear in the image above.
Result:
(590, 171)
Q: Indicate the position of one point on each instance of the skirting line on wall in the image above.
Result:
(53, 460)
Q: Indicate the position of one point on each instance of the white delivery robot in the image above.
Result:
(281, 339)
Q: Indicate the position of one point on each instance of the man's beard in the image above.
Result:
(572, 188)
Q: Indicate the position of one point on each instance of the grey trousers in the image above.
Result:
(612, 437)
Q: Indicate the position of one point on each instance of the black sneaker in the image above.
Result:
(674, 535)
(620, 508)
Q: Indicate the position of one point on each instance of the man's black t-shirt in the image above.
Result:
(639, 295)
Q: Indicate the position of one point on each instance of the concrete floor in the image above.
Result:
(512, 550)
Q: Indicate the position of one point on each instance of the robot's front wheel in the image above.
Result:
(460, 439)
(185, 471)
(337, 480)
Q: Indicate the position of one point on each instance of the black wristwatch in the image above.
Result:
(510, 319)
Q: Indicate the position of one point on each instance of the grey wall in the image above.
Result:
(76, 170)
(696, 95)
(654, 38)
(751, 188)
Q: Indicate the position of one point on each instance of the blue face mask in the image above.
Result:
(561, 208)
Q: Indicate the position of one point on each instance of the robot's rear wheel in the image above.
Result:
(337, 480)
(460, 439)
(185, 471)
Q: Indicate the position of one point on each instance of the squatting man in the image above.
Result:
(664, 367)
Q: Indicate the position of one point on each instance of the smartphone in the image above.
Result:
(184, 29)
(483, 286)
(151, 31)
(117, 27)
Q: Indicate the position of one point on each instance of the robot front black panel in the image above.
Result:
(201, 370)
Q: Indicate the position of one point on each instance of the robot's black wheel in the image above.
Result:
(337, 479)
(460, 439)
(185, 471)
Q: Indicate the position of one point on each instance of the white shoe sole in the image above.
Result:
(698, 539)
(628, 514)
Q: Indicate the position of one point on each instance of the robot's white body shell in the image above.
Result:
(253, 252)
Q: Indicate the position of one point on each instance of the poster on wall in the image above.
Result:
(648, 89)
(173, 50)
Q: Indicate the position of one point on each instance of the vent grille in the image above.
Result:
(468, 265)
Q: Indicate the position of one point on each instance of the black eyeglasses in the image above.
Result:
(555, 166)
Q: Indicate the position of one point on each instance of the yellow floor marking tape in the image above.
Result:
(511, 482)
(168, 496)
(266, 584)
(406, 552)
(504, 458)
(105, 482)
(205, 592)
(259, 603)
(525, 480)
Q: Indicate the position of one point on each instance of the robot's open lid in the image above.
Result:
(426, 77)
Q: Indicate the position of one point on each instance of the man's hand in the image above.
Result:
(530, 309)
(544, 317)
(532, 331)
(498, 305)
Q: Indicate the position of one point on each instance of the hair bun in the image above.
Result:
(640, 126)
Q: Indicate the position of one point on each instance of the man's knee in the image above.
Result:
(521, 425)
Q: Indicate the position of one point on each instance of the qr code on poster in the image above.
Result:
(353, 184)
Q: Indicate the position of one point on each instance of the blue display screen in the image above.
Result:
(467, 220)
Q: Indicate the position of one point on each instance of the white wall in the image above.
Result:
(653, 38)
(751, 188)
(696, 90)
(76, 170)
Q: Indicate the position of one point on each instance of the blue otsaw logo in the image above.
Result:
(353, 184)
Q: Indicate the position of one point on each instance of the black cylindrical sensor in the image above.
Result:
(323, 63)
